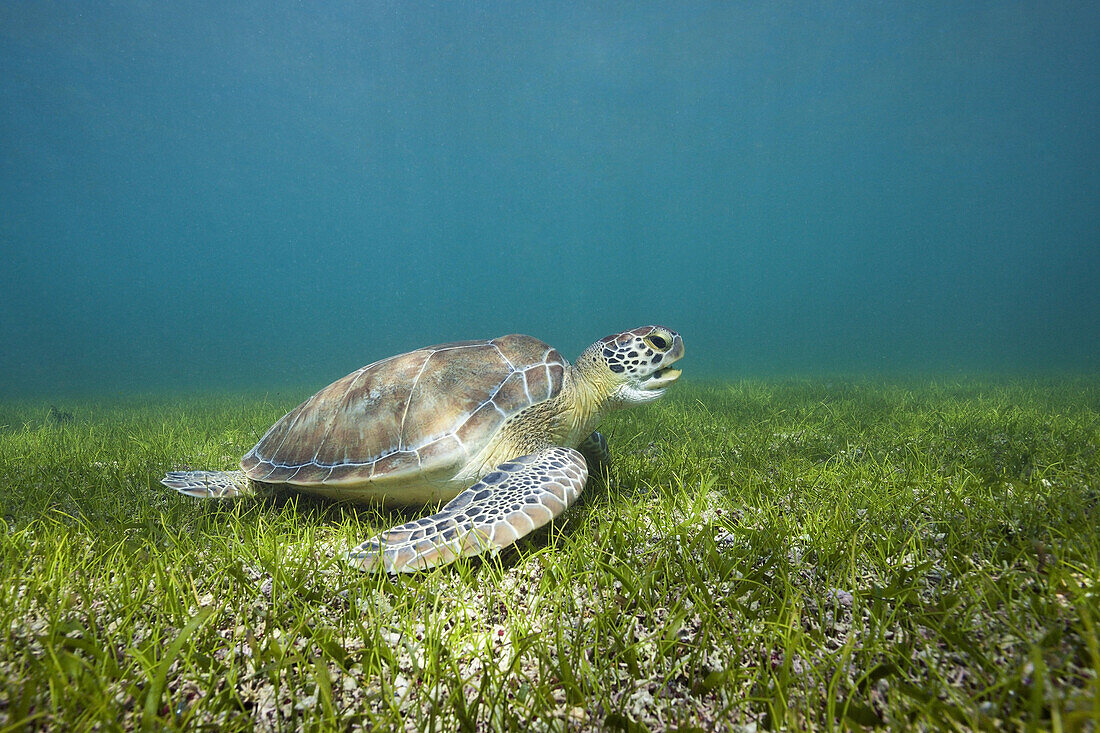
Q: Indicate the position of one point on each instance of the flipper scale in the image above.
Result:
(514, 499)
(209, 484)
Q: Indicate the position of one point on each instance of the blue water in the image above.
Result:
(226, 195)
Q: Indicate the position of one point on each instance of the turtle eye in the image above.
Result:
(657, 342)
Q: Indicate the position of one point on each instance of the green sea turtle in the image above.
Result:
(503, 429)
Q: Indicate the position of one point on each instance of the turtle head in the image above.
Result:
(632, 367)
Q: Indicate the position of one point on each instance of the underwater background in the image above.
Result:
(216, 196)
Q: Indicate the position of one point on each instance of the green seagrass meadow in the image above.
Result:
(783, 554)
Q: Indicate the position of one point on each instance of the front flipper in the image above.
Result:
(516, 498)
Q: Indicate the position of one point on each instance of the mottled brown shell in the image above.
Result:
(420, 413)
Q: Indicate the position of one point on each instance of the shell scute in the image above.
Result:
(512, 395)
(439, 452)
(538, 382)
(485, 419)
(343, 473)
(556, 375)
(250, 462)
(367, 424)
(451, 383)
(397, 462)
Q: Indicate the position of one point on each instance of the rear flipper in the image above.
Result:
(518, 497)
(209, 484)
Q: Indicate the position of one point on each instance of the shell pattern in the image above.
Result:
(427, 412)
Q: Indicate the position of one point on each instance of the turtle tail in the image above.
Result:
(210, 484)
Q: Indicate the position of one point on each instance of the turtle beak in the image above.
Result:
(661, 378)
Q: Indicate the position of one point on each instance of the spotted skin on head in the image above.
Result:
(635, 351)
(518, 497)
(632, 367)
